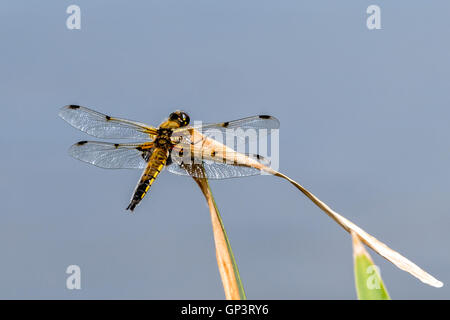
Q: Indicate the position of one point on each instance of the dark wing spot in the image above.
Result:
(116, 145)
(213, 153)
(139, 148)
(108, 118)
(225, 124)
(73, 106)
(263, 116)
(169, 161)
(261, 159)
(81, 143)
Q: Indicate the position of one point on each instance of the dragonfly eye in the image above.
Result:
(184, 119)
(174, 116)
(181, 117)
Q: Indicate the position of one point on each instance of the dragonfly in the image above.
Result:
(174, 145)
(192, 150)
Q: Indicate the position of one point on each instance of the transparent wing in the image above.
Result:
(102, 126)
(256, 123)
(199, 139)
(112, 156)
(212, 171)
(215, 169)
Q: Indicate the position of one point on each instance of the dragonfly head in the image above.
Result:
(180, 117)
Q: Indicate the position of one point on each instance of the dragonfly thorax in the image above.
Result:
(163, 138)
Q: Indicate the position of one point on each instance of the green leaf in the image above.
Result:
(369, 285)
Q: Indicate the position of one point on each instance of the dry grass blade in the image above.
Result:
(228, 270)
(376, 245)
(210, 146)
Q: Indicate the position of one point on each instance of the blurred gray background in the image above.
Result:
(364, 125)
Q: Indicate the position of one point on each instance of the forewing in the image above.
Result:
(256, 123)
(102, 126)
(112, 156)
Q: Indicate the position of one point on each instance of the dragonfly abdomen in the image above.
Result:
(155, 165)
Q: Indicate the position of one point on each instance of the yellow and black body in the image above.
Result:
(157, 157)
